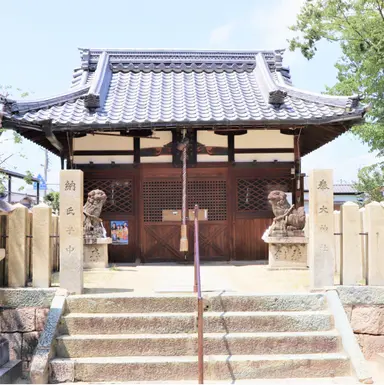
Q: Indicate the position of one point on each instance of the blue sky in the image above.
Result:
(40, 41)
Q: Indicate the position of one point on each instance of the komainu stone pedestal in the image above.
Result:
(287, 252)
(96, 254)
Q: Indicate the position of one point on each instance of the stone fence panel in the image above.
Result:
(359, 244)
(29, 246)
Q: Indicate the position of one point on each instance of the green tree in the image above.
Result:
(5, 92)
(371, 182)
(52, 199)
(358, 27)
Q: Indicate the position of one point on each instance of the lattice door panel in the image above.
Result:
(252, 194)
(167, 195)
(159, 196)
(210, 195)
(119, 194)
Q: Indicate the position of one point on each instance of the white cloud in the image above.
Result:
(270, 25)
(221, 35)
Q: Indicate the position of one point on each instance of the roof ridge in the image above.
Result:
(331, 100)
(22, 106)
(176, 50)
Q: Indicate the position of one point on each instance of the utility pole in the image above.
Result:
(46, 169)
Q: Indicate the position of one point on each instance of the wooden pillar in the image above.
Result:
(136, 151)
(231, 147)
(298, 187)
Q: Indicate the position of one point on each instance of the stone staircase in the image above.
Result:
(112, 338)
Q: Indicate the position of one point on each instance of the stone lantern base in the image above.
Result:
(96, 254)
(287, 252)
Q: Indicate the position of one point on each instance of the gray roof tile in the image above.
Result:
(153, 87)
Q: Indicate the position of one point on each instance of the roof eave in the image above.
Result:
(353, 117)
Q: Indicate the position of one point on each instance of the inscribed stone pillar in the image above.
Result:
(41, 246)
(374, 216)
(321, 229)
(337, 230)
(352, 263)
(17, 246)
(71, 230)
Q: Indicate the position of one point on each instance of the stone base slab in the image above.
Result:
(11, 372)
(287, 253)
(96, 255)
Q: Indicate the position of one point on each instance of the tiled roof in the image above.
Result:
(344, 189)
(338, 188)
(115, 88)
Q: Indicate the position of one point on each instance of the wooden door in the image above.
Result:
(120, 187)
(252, 211)
(162, 190)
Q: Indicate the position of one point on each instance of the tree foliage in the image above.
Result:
(371, 182)
(52, 199)
(358, 27)
(6, 91)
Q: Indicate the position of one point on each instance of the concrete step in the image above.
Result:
(170, 303)
(186, 344)
(152, 368)
(286, 381)
(214, 322)
(10, 372)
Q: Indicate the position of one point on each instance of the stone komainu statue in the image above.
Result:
(288, 220)
(92, 224)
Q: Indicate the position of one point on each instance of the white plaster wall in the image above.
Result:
(264, 157)
(209, 138)
(103, 142)
(263, 139)
(165, 138)
(101, 159)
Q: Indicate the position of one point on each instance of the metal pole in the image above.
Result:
(38, 192)
(184, 238)
(200, 305)
(9, 188)
(46, 165)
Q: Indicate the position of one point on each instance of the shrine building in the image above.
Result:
(128, 114)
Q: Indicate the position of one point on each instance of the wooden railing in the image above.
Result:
(200, 306)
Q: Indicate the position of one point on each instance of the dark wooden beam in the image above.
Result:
(263, 150)
(265, 165)
(47, 127)
(105, 166)
(231, 147)
(103, 152)
(297, 187)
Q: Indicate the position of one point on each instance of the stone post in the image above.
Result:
(321, 229)
(352, 262)
(17, 246)
(337, 229)
(364, 243)
(41, 246)
(71, 230)
(374, 216)
(55, 243)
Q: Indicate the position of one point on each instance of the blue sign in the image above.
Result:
(42, 184)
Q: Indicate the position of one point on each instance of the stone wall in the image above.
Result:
(364, 306)
(23, 313)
